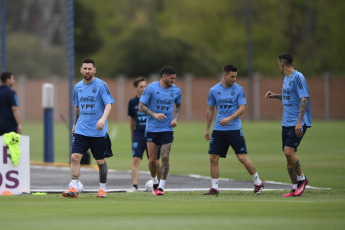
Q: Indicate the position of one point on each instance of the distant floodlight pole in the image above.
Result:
(70, 19)
(3, 35)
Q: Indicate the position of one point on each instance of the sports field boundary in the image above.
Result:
(54, 178)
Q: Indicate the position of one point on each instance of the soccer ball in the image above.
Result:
(149, 185)
(80, 186)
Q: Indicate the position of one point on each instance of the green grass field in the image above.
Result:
(321, 153)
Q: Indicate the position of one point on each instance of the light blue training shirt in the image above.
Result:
(294, 88)
(160, 100)
(91, 100)
(227, 102)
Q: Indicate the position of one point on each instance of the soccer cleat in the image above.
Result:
(159, 192)
(291, 193)
(154, 189)
(133, 189)
(101, 194)
(70, 193)
(301, 187)
(258, 188)
(212, 191)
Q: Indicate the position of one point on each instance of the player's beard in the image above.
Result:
(88, 77)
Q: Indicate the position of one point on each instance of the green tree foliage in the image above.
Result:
(86, 33)
(214, 33)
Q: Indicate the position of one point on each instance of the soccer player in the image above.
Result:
(296, 119)
(158, 102)
(230, 100)
(93, 102)
(137, 126)
(9, 107)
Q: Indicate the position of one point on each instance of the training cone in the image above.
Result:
(7, 193)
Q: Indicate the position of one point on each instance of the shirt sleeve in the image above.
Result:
(75, 97)
(14, 100)
(130, 109)
(242, 97)
(106, 95)
(211, 101)
(145, 97)
(301, 86)
(178, 99)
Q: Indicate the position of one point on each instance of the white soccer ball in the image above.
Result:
(80, 186)
(149, 185)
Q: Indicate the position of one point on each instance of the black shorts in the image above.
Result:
(160, 138)
(99, 146)
(221, 140)
(289, 137)
(139, 146)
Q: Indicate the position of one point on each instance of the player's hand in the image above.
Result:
(207, 135)
(299, 129)
(73, 129)
(19, 129)
(224, 121)
(100, 124)
(159, 116)
(268, 94)
(173, 123)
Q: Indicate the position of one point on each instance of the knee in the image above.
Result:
(214, 159)
(165, 158)
(75, 158)
(289, 152)
(242, 158)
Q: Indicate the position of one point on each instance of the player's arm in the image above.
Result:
(177, 116)
(302, 109)
(209, 118)
(132, 125)
(101, 122)
(143, 108)
(239, 112)
(77, 112)
(15, 110)
(270, 94)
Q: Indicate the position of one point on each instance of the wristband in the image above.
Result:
(299, 121)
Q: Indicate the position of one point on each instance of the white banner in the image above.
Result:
(15, 179)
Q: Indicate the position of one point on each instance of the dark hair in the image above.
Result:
(167, 70)
(5, 76)
(229, 68)
(286, 58)
(138, 80)
(88, 60)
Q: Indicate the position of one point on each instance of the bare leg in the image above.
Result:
(75, 165)
(158, 167)
(214, 166)
(292, 161)
(152, 149)
(248, 164)
(135, 170)
(165, 151)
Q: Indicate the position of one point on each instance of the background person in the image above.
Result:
(93, 102)
(9, 107)
(296, 119)
(137, 126)
(230, 100)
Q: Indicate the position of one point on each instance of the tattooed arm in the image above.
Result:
(143, 108)
(177, 116)
(302, 109)
(270, 94)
